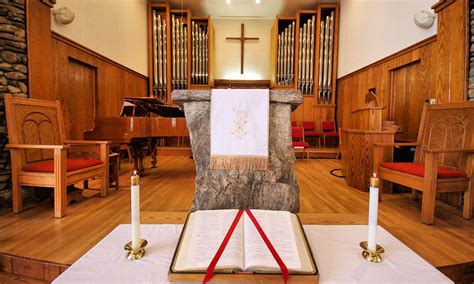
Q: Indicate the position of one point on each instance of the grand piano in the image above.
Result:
(143, 120)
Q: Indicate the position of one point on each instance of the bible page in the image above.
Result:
(204, 234)
(278, 227)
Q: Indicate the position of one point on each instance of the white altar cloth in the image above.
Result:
(335, 249)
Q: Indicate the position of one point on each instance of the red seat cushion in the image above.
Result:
(72, 165)
(312, 134)
(300, 144)
(418, 169)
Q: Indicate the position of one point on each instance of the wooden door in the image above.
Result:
(80, 101)
(406, 100)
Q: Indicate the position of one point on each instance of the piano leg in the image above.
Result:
(138, 157)
(154, 150)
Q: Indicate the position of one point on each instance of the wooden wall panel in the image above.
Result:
(403, 106)
(420, 84)
(81, 99)
(40, 74)
(311, 111)
(113, 81)
(441, 73)
(452, 66)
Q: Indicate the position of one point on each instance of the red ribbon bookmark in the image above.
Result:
(284, 270)
(212, 265)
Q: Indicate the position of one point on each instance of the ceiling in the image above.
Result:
(245, 8)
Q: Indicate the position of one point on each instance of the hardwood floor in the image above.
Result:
(167, 194)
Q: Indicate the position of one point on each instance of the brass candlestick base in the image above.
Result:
(135, 254)
(372, 256)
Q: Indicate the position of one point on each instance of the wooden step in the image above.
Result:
(16, 268)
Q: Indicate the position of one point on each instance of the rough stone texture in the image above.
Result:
(274, 189)
(13, 80)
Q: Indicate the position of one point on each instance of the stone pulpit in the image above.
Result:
(273, 189)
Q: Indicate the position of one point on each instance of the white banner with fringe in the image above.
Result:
(239, 129)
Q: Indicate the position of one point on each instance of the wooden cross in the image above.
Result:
(242, 39)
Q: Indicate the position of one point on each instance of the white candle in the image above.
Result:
(373, 211)
(135, 191)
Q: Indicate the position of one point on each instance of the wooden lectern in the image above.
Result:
(357, 143)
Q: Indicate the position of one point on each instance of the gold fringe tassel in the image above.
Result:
(256, 163)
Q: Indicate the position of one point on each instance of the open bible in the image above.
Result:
(245, 251)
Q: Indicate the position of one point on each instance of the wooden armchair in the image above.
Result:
(444, 157)
(39, 152)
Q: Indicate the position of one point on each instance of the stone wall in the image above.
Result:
(13, 79)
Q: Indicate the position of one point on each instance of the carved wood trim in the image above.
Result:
(49, 3)
(79, 46)
(417, 45)
(441, 5)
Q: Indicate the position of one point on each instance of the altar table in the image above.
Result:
(335, 249)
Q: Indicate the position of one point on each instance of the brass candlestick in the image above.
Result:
(138, 253)
(372, 256)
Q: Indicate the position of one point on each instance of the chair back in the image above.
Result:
(328, 126)
(297, 133)
(293, 123)
(447, 126)
(37, 122)
(308, 125)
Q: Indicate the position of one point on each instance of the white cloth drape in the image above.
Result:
(239, 129)
(335, 249)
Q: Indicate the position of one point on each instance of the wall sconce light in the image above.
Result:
(63, 15)
(424, 19)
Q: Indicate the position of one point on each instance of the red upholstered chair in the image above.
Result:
(444, 157)
(309, 131)
(40, 153)
(329, 130)
(293, 123)
(297, 134)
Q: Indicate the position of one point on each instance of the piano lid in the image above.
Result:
(156, 106)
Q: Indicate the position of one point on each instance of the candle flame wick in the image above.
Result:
(375, 175)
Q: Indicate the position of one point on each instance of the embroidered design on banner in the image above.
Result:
(240, 123)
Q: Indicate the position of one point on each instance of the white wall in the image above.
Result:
(256, 53)
(373, 29)
(116, 29)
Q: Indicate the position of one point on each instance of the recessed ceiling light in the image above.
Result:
(227, 1)
(257, 1)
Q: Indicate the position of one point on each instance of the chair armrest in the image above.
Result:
(86, 142)
(380, 144)
(438, 151)
(34, 146)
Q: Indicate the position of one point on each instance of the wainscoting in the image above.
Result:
(433, 68)
(89, 85)
(402, 82)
